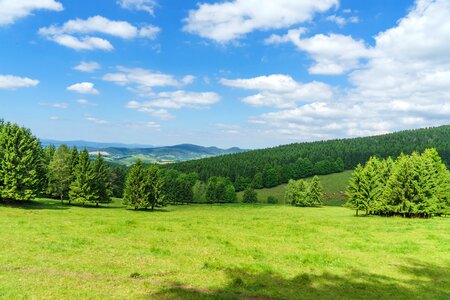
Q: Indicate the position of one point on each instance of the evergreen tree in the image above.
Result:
(370, 185)
(101, 185)
(270, 178)
(199, 192)
(81, 189)
(59, 173)
(355, 190)
(138, 189)
(156, 196)
(250, 195)
(314, 193)
(257, 181)
(20, 164)
(117, 179)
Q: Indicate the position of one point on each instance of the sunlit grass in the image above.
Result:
(237, 251)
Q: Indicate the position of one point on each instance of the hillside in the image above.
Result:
(334, 186)
(127, 154)
(277, 165)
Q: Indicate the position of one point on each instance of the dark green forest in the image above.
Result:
(274, 166)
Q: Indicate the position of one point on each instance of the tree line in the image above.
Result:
(411, 185)
(274, 166)
(28, 171)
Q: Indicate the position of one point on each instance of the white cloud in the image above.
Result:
(280, 91)
(61, 105)
(66, 35)
(143, 81)
(145, 5)
(87, 67)
(151, 32)
(10, 82)
(84, 43)
(404, 84)
(341, 21)
(86, 102)
(83, 88)
(162, 102)
(230, 20)
(12, 10)
(333, 54)
(96, 120)
(144, 125)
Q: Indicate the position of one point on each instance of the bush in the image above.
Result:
(272, 200)
(250, 196)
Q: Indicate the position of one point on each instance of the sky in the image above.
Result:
(247, 73)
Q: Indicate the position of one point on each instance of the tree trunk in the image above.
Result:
(356, 212)
(61, 197)
(96, 204)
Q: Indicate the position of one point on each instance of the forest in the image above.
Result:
(270, 167)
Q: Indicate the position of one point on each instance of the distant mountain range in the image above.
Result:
(126, 154)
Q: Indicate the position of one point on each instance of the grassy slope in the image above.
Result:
(333, 185)
(219, 252)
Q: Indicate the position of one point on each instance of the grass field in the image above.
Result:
(53, 251)
(334, 186)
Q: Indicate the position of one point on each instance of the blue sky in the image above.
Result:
(248, 73)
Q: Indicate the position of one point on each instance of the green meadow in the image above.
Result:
(333, 186)
(234, 251)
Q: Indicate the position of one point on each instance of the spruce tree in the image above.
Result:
(81, 189)
(370, 184)
(314, 193)
(101, 185)
(156, 197)
(354, 190)
(20, 164)
(137, 190)
(59, 173)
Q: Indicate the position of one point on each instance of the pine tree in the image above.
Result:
(20, 164)
(199, 192)
(314, 193)
(101, 185)
(354, 190)
(81, 189)
(59, 173)
(137, 190)
(370, 185)
(74, 157)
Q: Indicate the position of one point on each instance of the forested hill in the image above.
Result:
(272, 166)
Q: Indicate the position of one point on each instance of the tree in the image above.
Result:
(184, 184)
(81, 189)
(354, 190)
(20, 164)
(221, 190)
(295, 192)
(138, 189)
(143, 187)
(199, 192)
(370, 185)
(270, 177)
(257, 181)
(101, 185)
(314, 193)
(59, 173)
(117, 179)
(250, 195)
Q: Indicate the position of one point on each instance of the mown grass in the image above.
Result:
(334, 186)
(53, 251)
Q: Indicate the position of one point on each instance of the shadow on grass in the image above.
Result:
(425, 282)
(35, 204)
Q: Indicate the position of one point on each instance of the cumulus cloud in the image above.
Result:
(87, 67)
(280, 91)
(10, 82)
(333, 54)
(143, 81)
(76, 34)
(404, 84)
(159, 105)
(144, 5)
(12, 10)
(83, 88)
(230, 20)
